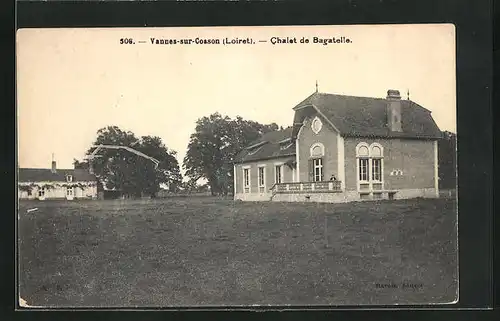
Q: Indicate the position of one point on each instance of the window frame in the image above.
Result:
(380, 158)
(318, 165)
(247, 170)
(261, 187)
(366, 161)
(378, 171)
(281, 174)
(374, 165)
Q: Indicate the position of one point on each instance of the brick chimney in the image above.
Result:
(54, 168)
(394, 110)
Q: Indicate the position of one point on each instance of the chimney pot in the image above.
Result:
(393, 94)
(54, 168)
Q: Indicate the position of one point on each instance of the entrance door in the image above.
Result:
(41, 193)
(70, 193)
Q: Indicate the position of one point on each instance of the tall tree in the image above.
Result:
(213, 146)
(128, 172)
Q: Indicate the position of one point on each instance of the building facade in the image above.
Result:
(344, 148)
(52, 183)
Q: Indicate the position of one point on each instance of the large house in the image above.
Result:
(344, 148)
(53, 183)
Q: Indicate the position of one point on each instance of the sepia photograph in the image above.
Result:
(283, 166)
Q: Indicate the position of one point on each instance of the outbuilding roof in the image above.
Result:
(46, 175)
(273, 144)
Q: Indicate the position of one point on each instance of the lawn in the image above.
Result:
(205, 252)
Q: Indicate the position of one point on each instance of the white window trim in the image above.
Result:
(316, 119)
(317, 166)
(381, 170)
(362, 145)
(68, 189)
(381, 157)
(249, 168)
(282, 176)
(321, 146)
(69, 178)
(263, 166)
(370, 158)
(358, 167)
(379, 146)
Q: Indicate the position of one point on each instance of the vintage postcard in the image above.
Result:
(237, 166)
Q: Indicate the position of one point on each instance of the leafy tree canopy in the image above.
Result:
(130, 173)
(213, 146)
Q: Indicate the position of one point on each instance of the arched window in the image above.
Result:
(363, 156)
(363, 151)
(317, 152)
(370, 165)
(376, 153)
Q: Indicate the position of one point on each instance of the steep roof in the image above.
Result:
(46, 175)
(269, 145)
(366, 116)
(352, 116)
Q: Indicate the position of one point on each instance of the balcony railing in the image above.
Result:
(307, 187)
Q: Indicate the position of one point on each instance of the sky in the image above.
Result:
(72, 82)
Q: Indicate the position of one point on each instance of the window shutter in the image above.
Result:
(311, 170)
(323, 171)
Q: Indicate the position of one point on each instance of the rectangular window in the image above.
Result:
(377, 169)
(318, 169)
(41, 192)
(278, 171)
(262, 180)
(29, 192)
(69, 191)
(363, 169)
(246, 180)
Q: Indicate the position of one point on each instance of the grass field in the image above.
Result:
(203, 251)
